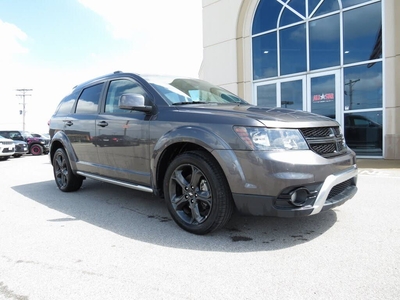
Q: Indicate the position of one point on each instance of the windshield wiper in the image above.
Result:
(190, 102)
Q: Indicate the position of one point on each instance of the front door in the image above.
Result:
(323, 94)
(317, 93)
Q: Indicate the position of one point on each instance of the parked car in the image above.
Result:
(21, 148)
(203, 149)
(44, 136)
(7, 148)
(36, 145)
(361, 132)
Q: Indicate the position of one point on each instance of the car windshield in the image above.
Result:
(26, 134)
(180, 91)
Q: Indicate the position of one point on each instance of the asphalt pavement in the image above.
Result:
(109, 242)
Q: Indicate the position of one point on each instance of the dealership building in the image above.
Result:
(338, 58)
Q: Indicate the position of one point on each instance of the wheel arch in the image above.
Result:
(179, 141)
(61, 140)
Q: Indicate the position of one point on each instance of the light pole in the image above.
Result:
(23, 95)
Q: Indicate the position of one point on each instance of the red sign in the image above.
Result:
(324, 97)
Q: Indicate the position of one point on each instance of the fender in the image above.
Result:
(220, 149)
(62, 138)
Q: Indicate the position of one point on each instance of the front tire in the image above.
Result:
(36, 149)
(197, 193)
(65, 179)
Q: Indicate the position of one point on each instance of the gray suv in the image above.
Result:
(201, 148)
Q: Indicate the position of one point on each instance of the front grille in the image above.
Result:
(337, 189)
(325, 141)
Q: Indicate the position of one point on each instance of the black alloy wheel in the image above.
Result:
(197, 193)
(65, 179)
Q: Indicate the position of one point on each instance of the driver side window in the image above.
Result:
(116, 89)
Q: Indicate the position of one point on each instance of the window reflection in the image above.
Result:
(89, 99)
(323, 95)
(361, 33)
(266, 16)
(347, 3)
(325, 42)
(292, 94)
(293, 49)
(322, 29)
(299, 6)
(289, 17)
(326, 7)
(264, 56)
(363, 87)
(266, 95)
(363, 132)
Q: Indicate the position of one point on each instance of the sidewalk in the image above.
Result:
(378, 163)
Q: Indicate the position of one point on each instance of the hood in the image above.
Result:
(270, 117)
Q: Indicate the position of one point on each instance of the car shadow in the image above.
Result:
(143, 216)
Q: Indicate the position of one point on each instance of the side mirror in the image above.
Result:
(133, 102)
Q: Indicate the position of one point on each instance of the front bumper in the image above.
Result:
(290, 183)
(326, 198)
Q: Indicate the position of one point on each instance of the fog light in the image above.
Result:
(299, 196)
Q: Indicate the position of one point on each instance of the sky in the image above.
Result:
(49, 46)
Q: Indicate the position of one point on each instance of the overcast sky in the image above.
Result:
(52, 45)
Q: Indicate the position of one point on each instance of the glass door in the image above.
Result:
(323, 94)
(288, 93)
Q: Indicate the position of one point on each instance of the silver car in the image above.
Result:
(7, 148)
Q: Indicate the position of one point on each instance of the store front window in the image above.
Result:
(323, 56)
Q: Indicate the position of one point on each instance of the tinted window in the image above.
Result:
(293, 49)
(89, 100)
(65, 107)
(266, 16)
(289, 17)
(116, 89)
(347, 3)
(325, 42)
(265, 61)
(362, 33)
(363, 86)
(266, 95)
(291, 94)
(326, 7)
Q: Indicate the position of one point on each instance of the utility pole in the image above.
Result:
(23, 95)
(351, 83)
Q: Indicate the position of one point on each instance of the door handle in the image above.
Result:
(69, 123)
(102, 124)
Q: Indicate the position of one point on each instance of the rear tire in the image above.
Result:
(197, 193)
(66, 180)
(36, 149)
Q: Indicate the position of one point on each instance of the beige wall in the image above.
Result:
(227, 57)
(392, 78)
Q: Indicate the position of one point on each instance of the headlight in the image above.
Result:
(260, 138)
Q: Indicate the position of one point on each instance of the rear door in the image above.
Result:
(80, 127)
(122, 136)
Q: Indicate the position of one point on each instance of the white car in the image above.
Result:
(7, 148)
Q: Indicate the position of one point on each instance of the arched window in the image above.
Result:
(306, 50)
(295, 36)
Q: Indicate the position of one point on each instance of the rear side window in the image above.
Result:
(65, 107)
(89, 100)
